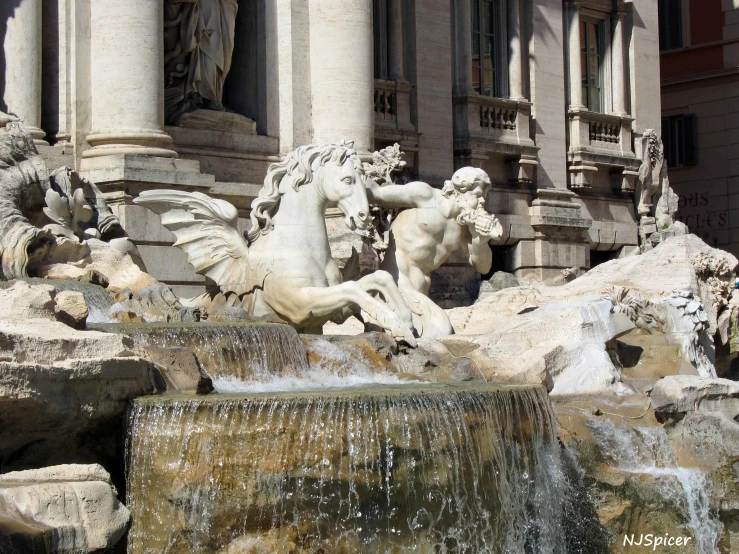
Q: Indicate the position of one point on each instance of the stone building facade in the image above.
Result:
(550, 97)
(700, 114)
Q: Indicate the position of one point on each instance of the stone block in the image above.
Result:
(71, 306)
(73, 512)
(169, 264)
(142, 225)
(180, 369)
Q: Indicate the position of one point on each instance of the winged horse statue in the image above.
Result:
(283, 266)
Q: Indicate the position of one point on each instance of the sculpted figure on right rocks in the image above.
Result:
(422, 238)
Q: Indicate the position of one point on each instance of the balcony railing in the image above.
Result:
(497, 119)
(393, 105)
(600, 143)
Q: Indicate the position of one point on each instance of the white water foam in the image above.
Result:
(338, 369)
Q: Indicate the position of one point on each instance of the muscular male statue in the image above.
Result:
(423, 237)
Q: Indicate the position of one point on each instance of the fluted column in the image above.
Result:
(463, 47)
(127, 79)
(515, 59)
(23, 67)
(395, 40)
(573, 52)
(619, 79)
(342, 72)
(64, 129)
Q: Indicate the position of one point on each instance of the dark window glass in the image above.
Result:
(679, 137)
(486, 47)
(591, 56)
(670, 24)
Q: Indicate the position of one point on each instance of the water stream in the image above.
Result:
(229, 353)
(648, 451)
(467, 469)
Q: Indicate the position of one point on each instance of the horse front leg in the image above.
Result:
(382, 282)
(301, 305)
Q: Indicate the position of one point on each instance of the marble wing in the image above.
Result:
(207, 231)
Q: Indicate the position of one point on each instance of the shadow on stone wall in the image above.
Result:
(7, 9)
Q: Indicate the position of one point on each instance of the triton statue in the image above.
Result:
(422, 238)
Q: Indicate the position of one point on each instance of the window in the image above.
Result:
(670, 24)
(380, 37)
(679, 137)
(592, 35)
(489, 77)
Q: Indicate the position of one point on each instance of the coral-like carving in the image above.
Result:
(633, 305)
(718, 275)
(385, 164)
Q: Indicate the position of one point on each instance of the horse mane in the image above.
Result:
(298, 167)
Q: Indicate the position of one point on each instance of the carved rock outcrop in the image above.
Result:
(564, 336)
(67, 508)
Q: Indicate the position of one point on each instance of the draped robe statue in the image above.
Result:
(199, 43)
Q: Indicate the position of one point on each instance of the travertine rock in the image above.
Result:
(73, 508)
(22, 301)
(71, 306)
(563, 335)
(180, 369)
(677, 395)
(70, 410)
(47, 342)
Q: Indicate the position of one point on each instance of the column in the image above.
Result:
(127, 79)
(617, 62)
(515, 59)
(573, 51)
(395, 40)
(463, 47)
(342, 72)
(64, 132)
(23, 67)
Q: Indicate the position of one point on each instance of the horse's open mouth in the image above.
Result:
(352, 225)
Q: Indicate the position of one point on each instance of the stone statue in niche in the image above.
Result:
(422, 237)
(283, 266)
(198, 47)
(656, 202)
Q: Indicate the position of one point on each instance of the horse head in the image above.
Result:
(335, 171)
(343, 182)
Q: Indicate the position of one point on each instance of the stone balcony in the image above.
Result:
(601, 152)
(393, 118)
(486, 128)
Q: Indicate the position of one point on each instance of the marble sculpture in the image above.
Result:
(283, 266)
(199, 43)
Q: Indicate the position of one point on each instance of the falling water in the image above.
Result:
(243, 351)
(387, 470)
(98, 300)
(648, 451)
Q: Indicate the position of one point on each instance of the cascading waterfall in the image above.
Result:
(465, 468)
(648, 451)
(241, 351)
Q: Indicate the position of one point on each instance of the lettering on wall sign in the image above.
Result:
(694, 209)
